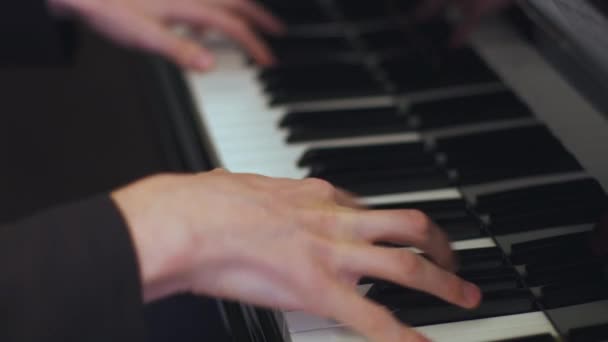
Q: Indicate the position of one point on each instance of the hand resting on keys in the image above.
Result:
(147, 24)
(472, 12)
(282, 243)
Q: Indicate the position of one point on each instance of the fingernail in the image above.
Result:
(203, 62)
(472, 294)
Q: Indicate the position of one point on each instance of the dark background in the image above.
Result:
(85, 128)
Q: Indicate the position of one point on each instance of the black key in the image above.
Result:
(550, 216)
(480, 260)
(536, 138)
(509, 168)
(422, 38)
(535, 338)
(506, 154)
(364, 116)
(281, 97)
(412, 73)
(348, 158)
(303, 43)
(494, 304)
(320, 75)
(466, 110)
(587, 190)
(461, 228)
(546, 273)
(301, 133)
(551, 249)
(387, 181)
(373, 163)
(594, 333)
(307, 126)
(557, 296)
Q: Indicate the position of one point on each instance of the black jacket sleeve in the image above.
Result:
(30, 36)
(70, 274)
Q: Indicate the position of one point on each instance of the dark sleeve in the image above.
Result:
(70, 274)
(30, 36)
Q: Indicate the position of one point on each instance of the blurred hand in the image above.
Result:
(472, 11)
(147, 25)
(281, 243)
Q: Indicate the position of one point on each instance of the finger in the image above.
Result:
(410, 227)
(183, 51)
(429, 8)
(406, 268)
(371, 320)
(259, 16)
(197, 14)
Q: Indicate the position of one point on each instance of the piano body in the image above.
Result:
(503, 142)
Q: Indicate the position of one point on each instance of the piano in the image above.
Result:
(501, 141)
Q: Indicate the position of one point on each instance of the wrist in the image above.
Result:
(162, 247)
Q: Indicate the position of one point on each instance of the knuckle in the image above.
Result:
(319, 186)
(420, 224)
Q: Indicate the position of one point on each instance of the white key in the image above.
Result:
(481, 330)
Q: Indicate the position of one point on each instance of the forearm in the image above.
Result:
(70, 274)
(30, 35)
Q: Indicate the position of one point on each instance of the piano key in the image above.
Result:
(594, 333)
(304, 133)
(573, 293)
(389, 181)
(511, 169)
(334, 160)
(555, 193)
(469, 109)
(461, 228)
(412, 73)
(343, 122)
(545, 273)
(535, 338)
(551, 248)
(482, 330)
(416, 196)
(427, 36)
(288, 47)
(549, 217)
(442, 209)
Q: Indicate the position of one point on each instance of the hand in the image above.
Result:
(147, 24)
(281, 243)
(472, 10)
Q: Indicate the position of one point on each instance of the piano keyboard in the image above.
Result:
(378, 110)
